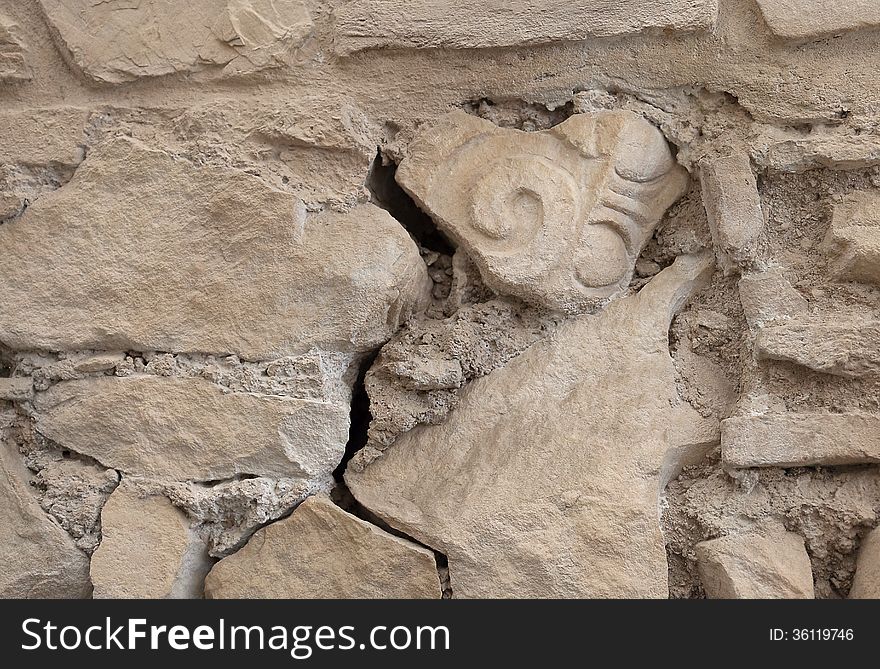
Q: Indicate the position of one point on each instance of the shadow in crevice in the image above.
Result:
(386, 193)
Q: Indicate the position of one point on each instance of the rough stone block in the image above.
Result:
(756, 565)
(190, 429)
(150, 252)
(866, 582)
(464, 24)
(853, 242)
(800, 440)
(844, 349)
(733, 205)
(321, 551)
(810, 19)
(767, 297)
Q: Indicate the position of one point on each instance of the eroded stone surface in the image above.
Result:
(772, 564)
(464, 24)
(182, 429)
(866, 583)
(16, 389)
(767, 297)
(147, 551)
(805, 19)
(121, 40)
(37, 558)
(844, 349)
(230, 264)
(321, 551)
(545, 480)
(557, 217)
(730, 195)
(854, 239)
(13, 53)
(800, 440)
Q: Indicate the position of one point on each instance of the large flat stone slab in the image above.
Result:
(800, 440)
(150, 252)
(545, 481)
(322, 552)
(38, 559)
(120, 40)
(190, 429)
(463, 24)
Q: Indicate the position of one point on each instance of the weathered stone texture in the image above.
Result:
(148, 550)
(190, 429)
(730, 195)
(186, 258)
(757, 565)
(321, 551)
(558, 217)
(767, 297)
(37, 558)
(545, 480)
(13, 52)
(844, 349)
(807, 19)
(800, 440)
(463, 24)
(121, 40)
(866, 583)
(854, 239)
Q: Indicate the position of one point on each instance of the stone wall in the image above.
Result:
(364, 298)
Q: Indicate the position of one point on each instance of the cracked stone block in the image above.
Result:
(768, 297)
(13, 53)
(810, 19)
(206, 259)
(853, 242)
(772, 564)
(866, 582)
(464, 24)
(844, 349)
(148, 550)
(321, 551)
(733, 205)
(545, 480)
(800, 440)
(38, 559)
(121, 40)
(558, 217)
(190, 429)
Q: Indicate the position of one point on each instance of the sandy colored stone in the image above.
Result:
(800, 440)
(13, 52)
(805, 19)
(768, 297)
(773, 564)
(545, 480)
(37, 558)
(849, 349)
(16, 389)
(733, 205)
(189, 428)
(42, 136)
(120, 40)
(557, 217)
(492, 23)
(866, 583)
(147, 551)
(853, 242)
(186, 258)
(320, 552)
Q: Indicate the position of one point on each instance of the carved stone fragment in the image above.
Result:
(558, 217)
